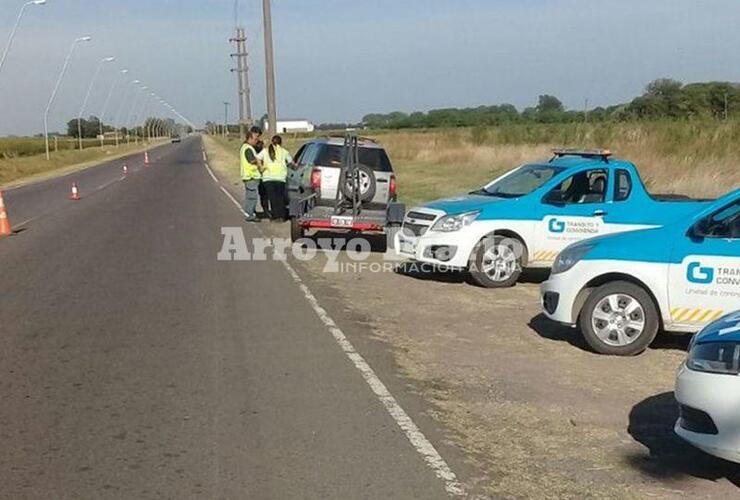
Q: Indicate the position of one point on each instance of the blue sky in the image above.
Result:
(340, 59)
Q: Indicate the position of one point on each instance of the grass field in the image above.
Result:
(17, 147)
(700, 159)
(20, 168)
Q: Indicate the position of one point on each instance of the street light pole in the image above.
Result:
(107, 102)
(56, 89)
(269, 69)
(87, 97)
(15, 28)
(127, 122)
(116, 121)
(136, 110)
(226, 118)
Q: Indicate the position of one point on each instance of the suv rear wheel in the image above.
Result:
(619, 319)
(296, 230)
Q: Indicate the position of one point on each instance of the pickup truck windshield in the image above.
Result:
(523, 181)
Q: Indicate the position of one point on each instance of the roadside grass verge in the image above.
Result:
(17, 147)
(29, 168)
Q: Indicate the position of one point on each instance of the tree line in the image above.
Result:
(662, 99)
(91, 127)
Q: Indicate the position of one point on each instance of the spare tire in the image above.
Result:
(367, 184)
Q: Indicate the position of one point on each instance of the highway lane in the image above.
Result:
(31, 201)
(133, 364)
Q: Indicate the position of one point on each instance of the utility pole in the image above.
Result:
(727, 107)
(242, 71)
(269, 69)
(226, 118)
(585, 111)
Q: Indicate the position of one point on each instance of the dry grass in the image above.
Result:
(698, 159)
(15, 170)
(439, 163)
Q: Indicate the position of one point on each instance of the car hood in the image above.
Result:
(463, 203)
(621, 246)
(725, 329)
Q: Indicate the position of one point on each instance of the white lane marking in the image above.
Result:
(108, 184)
(19, 224)
(415, 436)
(210, 172)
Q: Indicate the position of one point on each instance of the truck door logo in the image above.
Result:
(700, 275)
(556, 226)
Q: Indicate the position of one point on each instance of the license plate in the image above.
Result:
(407, 247)
(342, 221)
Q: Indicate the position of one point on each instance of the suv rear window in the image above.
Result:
(330, 155)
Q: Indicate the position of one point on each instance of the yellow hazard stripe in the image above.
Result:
(695, 315)
(543, 255)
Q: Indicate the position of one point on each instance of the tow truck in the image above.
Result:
(526, 217)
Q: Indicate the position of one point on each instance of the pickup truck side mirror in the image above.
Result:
(554, 197)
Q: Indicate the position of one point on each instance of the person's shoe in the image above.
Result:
(251, 218)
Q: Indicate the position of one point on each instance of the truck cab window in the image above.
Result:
(589, 186)
(622, 186)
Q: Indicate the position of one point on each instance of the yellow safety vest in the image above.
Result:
(249, 171)
(277, 169)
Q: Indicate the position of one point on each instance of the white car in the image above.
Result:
(708, 390)
(621, 289)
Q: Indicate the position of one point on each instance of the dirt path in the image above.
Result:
(538, 415)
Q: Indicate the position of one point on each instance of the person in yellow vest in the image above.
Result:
(275, 161)
(251, 173)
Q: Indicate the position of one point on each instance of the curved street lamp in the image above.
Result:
(107, 102)
(15, 28)
(116, 121)
(56, 89)
(87, 97)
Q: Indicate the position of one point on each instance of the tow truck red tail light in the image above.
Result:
(316, 178)
(392, 186)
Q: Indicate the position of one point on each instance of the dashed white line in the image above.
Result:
(415, 436)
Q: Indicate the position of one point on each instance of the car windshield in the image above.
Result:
(522, 181)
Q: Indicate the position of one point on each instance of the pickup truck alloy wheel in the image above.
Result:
(619, 318)
(499, 263)
(496, 262)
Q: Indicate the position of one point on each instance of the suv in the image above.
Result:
(328, 197)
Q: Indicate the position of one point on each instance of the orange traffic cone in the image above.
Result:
(125, 170)
(75, 195)
(146, 157)
(5, 228)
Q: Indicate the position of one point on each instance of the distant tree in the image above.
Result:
(549, 104)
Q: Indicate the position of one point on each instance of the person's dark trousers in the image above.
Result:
(264, 200)
(276, 194)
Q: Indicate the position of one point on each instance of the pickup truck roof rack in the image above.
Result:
(604, 154)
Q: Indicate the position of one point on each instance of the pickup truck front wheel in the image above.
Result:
(497, 262)
(619, 319)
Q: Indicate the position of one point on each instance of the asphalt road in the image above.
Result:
(134, 364)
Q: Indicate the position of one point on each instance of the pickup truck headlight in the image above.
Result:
(451, 223)
(569, 258)
(715, 357)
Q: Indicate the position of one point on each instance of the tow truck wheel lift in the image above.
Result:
(347, 213)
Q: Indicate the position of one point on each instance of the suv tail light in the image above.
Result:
(316, 178)
(392, 187)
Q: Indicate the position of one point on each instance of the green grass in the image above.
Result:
(18, 147)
